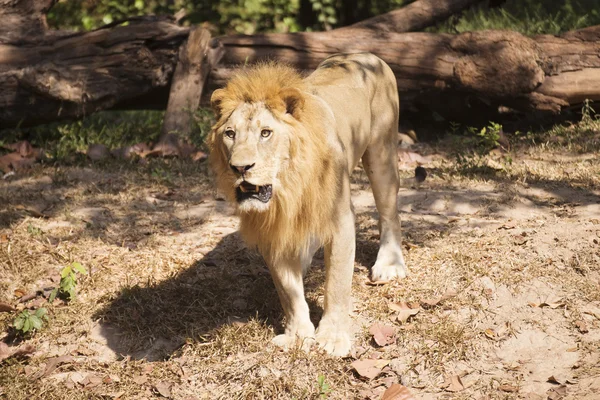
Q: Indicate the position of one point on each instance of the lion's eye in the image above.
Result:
(266, 133)
(230, 133)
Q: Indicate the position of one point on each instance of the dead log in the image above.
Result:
(49, 75)
(459, 77)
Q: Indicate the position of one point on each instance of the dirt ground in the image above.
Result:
(503, 292)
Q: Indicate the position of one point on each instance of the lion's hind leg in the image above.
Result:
(380, 162)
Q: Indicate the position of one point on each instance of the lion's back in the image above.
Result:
(360, 89)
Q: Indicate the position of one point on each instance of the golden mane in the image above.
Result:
(302, 207)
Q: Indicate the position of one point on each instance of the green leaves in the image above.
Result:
(323, 386)
(68, 282)
(26, 321)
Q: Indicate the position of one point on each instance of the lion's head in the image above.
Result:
(269, 154)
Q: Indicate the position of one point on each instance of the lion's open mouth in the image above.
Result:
(247, 191)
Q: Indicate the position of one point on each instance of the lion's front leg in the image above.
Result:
(333, 334)
(299, 330)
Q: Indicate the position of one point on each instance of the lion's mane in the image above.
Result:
(303, 204)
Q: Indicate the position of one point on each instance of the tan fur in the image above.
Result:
(305, 203)
(316, 129)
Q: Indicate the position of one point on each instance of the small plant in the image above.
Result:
(28, 322)
(323, 387)
(34, 230)
(68, 282)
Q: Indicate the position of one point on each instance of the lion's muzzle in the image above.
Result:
(246, 191)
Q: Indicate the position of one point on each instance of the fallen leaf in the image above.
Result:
(383, 334)
(561, 380)
(91, 381)
(453, 384)
(377, 283)
(77, 378)
(140, 379)
(7, 351)
(369, 368)
(164, 388)
(508, 388)
(404, 315)
(436, 300)
(508, 225)
(581, 326)
(397, 392)
(5, 307)
(557, 393)
(116, 395)
(97, 152)
(591, 310)
(490, 334)
(51, 365)
(550, 301)
(4, 238)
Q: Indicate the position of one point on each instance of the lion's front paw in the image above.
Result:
(287, 342)
(333, 341)
(386, 271)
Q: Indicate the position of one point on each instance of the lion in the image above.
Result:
(283, 149)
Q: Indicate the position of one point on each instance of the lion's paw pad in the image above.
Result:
(334, 342)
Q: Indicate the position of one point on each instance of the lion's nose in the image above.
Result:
(241, 168)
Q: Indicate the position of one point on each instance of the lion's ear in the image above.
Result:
(293, 100)
(215, 102)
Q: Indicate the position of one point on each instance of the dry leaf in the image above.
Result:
(436, 300)
(7, 351)
(383, 334)
(581, 326)
(453, 384)
(509, 388)
(91, 381)
(550, 301)
(397, 392)
(97, 152)
(51, 365)
(369, 368)
(377, 283)
(508, 225)
(77, 378)
(404, 315)
(164, 388)
(140, 379)
(5, 307)
(557, 393)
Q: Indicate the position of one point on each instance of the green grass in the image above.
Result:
(529, 17)
(114, 129)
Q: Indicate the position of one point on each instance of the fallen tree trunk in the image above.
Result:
(454, 75)
(466, 77)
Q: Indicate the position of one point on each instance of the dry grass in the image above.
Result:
(173, 295)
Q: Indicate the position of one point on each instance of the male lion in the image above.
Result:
(283, 149)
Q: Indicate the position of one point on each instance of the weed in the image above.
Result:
(34, 230)
(68, 282)
(28, 322)
(323, 387)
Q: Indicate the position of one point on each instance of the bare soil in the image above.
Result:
(176, 306)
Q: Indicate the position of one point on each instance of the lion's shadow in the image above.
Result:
(228, 285)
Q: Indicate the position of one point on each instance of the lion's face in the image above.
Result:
(256, 145)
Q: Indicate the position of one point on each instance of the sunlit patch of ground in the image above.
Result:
(175, 305)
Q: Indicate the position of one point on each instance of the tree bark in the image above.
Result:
(466, 77)
(456, 76)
